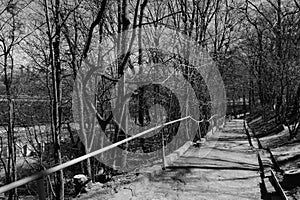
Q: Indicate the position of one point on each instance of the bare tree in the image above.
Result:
(11, 35)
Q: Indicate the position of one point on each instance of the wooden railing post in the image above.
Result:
(261, 166)
(258, 141)
(200, 134)
(274, 161)
(249, 138)
(248, 134)
(262, 175)
(212, 126)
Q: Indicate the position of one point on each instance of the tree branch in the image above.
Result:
(92, 27)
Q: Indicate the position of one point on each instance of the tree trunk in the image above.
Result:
(244, 103)
(11, 161)
(233, 107)
(56, 92)
(12, 149)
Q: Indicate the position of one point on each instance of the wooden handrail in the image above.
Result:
(278, 186)
(51, 170)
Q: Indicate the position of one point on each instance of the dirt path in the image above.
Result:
(224, 167)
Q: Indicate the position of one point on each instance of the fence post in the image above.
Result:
(274, 161)
(199, 133)
(258, 141)
(248, 134)
(249, 138)
(261, 166)
(41, 189)
(212, 126)
(262, 175)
